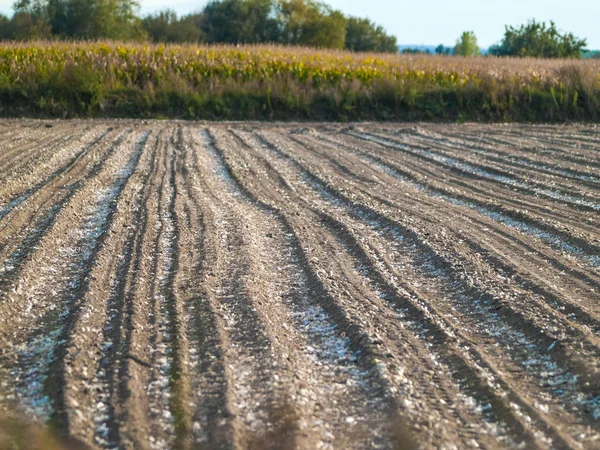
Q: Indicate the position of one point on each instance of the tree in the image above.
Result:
(466, 45)
(239, 21)
(4, 27)
(362, 35)
(23, 27)
(311, 23)
(539, 41)
(86, 19)
(415, 51)
(443, 50)
(165, 26)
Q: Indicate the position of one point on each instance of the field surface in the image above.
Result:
(188, 285)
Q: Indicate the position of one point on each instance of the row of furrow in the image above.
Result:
(96, 230)
(136, 407)
(571, 140)
(12, 137)
(311, 412)
(328, 299)
(22, 157)
(40, 158)
(251, 364)
(563, 307)
(416, 213)
(208, 419)
(578, 283)
(554, 190)
(335, 302)
(250, 287)
(142, 389)
(529, 350)
(504, 195)
(542, 146)
(18, 190)
(419, 317)
(584, 284)
(533, 223)
(22, 232)
(166, 353)
(584, 202)
(37, 145)
(19, 149)
(506, 163)
(578, 169)
(291, 411)
(44, 300)
(101, 340)
(541, 289)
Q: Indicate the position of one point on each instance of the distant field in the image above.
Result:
(242, 286)
(279, 83)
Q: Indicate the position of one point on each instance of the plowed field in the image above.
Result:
(188, 285)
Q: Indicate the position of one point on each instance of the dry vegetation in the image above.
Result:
(174, 285)
(134, 80)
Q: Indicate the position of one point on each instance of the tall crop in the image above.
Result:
(270, 82)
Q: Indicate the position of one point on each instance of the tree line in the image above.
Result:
(532, 40)
(294, 22)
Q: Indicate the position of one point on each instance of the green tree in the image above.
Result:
(443, 50)
(311, 23)
(415, 51)
(86, 19)
(239, 21)
(362, 35)
(539, 41)
(4, 27)
(165, 26)
(23, 27)
(466, 45)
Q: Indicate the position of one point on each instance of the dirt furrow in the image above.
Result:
(534, 158)
(22, 148)
(21, 233)
(529, 349)
(572, 140)
(248, 354)
(578, 201)
(178, 285)
(391, 295)
(579, 280)
(204, 418)
(491, 160)
(516, 217)
(572, 234)
(323, 418)
(44, 300)
(23, 186)
(419, 203)
(96, 362)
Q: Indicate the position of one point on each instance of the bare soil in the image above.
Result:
(251, 286)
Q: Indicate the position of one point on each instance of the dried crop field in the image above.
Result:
(112, 79)
(190, 285)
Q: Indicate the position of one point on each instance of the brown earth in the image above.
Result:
(215, 286)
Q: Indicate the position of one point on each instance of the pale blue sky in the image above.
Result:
(432, 22)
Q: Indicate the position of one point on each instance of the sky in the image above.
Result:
(433, 22)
